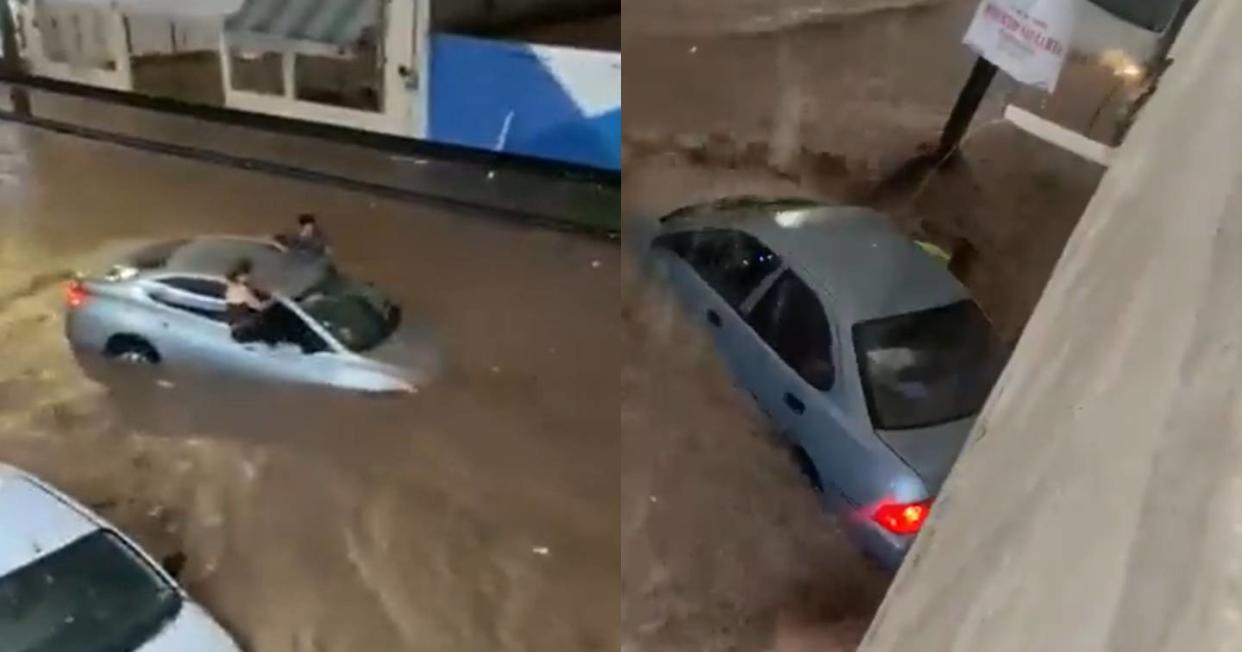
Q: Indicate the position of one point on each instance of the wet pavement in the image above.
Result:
(480, 514)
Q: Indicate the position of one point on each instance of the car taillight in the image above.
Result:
(75, 294)
(902, 518)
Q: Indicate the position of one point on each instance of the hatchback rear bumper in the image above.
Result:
(886, 548)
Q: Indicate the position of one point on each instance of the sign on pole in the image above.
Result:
(1028, 39)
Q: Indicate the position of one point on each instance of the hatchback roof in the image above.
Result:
(856, 255)
(34, 521)
(275, 269)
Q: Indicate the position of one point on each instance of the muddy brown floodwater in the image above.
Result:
(479, 515)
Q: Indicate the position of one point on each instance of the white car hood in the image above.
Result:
(191, 631)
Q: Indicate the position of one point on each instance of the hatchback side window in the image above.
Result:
(791, 320)
(732, 262)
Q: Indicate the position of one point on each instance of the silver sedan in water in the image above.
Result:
(165, 305)
(859, 346)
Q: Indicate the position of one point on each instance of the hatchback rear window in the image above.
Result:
(928, 367)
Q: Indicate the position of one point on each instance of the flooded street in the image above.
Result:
(724, 546)
(480, 514)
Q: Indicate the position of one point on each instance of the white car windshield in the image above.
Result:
(93, 595)
(928, 367)
(357, 315)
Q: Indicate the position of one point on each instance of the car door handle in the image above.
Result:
(794, 403)
(713, 318)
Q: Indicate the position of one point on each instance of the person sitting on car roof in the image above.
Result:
(309, 237)
(242, 306)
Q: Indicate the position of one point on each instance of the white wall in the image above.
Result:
(149, 34)
(75, 43)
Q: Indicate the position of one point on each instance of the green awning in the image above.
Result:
(322, 27)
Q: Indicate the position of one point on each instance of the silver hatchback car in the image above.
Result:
(165, 305)
(862, 349)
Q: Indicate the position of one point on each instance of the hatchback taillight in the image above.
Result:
(902, 518)
(75, 294)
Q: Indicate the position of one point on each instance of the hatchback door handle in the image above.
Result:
(794, 403)
(713, 318)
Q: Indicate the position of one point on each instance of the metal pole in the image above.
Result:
(12, 60)
(964, 109)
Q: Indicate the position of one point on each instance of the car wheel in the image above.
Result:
(807, 468)
(131, 350)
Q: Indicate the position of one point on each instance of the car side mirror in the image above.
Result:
(174, 564)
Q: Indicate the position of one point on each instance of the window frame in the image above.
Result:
(833, 345)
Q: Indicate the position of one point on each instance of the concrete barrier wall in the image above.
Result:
(551, 102)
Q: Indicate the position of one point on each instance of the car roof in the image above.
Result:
(33, 521)
(275, 269)
(855, 255)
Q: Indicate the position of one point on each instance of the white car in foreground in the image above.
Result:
(69, 582)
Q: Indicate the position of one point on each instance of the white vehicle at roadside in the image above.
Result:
(70, 582)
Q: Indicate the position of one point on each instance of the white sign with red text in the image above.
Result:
(1028, 39)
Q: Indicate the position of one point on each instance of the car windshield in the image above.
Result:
(93, 595)
(928, 367)
(356, 315)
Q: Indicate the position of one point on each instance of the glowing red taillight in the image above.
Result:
(75, 294)
(902, 518)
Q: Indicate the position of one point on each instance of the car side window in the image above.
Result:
(191, 295)
(199, 286)
(285, 326)
(791, 319)
(206, 313)
(731, 262)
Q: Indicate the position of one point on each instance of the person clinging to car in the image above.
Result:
(242, 306)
